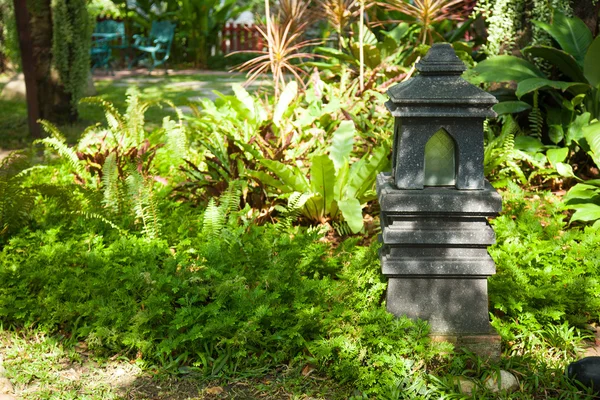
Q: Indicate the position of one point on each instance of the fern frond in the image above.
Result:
(58, 143)
(177, 142)
(110, 183)
(140, 192)
(16, 200)
(536, 120)
(92, 215)
(113, 117)
(213, 220)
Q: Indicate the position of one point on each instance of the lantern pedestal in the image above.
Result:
(435, 255)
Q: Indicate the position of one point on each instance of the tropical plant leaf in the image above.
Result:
(591, 133)
(591, 65)
(285, 99)
(244, 97)
(268, 180)
(572, 35)
(529, 144)
(352, 212)
(581, 192)
(557, 155)
(334, 53)
(504, 69)
(291, 176)
(342, 143)
(575, 131)
(533, 84)
(586, 212)
(510, 107)
(556, 133)
(564, 170)
(364, 174)
(565, 62)
(322, 179)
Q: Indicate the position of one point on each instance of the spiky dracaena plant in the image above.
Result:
(340, 14)
(425, 12)
(283, 37)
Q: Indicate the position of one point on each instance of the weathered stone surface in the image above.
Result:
(435, 238)
(437, 200)
(465, 385)
(450, 305)
(504, 381)
(438, 98)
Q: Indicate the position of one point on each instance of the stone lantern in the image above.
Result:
(436, 201)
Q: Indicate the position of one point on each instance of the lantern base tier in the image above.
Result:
(435, 261)
(450, 305)
(436, 200)
(435, 254)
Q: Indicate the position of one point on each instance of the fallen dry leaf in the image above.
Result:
(214, 390)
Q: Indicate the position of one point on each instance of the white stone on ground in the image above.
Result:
(507, 382)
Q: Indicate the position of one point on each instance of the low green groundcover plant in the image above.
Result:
(247, 299)
(255, 299)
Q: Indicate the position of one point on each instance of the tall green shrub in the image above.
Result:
(71, 40)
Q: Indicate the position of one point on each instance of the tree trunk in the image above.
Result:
(33, 110)
(587, 10)
(53, 102)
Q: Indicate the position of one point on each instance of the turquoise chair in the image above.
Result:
(156, 48)
(108, 35)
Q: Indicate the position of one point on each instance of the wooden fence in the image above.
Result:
(236, 37)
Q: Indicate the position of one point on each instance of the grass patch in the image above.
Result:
(178, 89)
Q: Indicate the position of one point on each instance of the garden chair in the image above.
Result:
(107, 35)
(156, 46)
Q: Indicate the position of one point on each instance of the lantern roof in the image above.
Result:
(438, 90)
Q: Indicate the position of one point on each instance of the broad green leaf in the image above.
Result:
(352, 212)
(529, 144)
(341, 145)
(556, 133)
(565, 62)
(363, 175)
(564, 170)
(592, 136)
(572, 34)
(371, 54)
(242, 95)
(504, 69)
(268, 180)
(575, 131)
(532, 84)
(591, 65)
(397, 33)
(510, 107)
(557, 155)
(292, 177)
(322, 179)
(335, 53)
(287, 96)
(586, 212)
(341, 180)
(581, 191)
